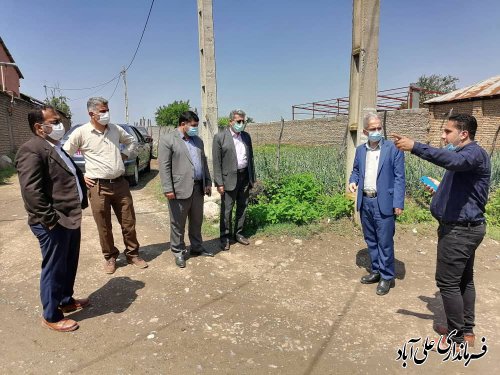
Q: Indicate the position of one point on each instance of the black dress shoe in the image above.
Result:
(371, 278)
(180, 261)
(224, 244)
(203, 252)
(242, 240)
(384, 286)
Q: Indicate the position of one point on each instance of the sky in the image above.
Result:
(270, 54)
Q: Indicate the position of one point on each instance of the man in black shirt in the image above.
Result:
(459, 205)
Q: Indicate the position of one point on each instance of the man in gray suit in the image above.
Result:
(234, 175)
(185, 179)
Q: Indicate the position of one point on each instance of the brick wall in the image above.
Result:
(14, 127)
(332, 130)
(486, 111)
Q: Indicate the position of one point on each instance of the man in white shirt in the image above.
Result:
(99, 141)
(234, 175)
(378, 175)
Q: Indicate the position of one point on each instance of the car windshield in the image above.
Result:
(142, 130)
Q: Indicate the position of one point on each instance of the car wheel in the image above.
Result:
(134, 179)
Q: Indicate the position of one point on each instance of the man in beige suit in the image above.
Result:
(185, 179)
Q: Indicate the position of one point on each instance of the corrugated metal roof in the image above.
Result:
(488, 87)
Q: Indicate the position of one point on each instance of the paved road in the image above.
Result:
(282, 307)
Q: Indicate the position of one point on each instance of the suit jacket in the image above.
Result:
(390, 176)
(47, 184)
(226, 162)
(176, 166)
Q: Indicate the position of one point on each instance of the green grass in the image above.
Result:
(6, 174)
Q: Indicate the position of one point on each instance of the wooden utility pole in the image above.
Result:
(124, 75)
(207, 76)
(364, 73)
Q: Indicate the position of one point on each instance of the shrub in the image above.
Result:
(296, 199)
(493, 209)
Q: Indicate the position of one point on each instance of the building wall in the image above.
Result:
(486, 111)
(332, 130)
(10, 74)
(14, 127)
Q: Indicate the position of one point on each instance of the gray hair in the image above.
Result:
(368, 117)
(92, 103)
(238, 112)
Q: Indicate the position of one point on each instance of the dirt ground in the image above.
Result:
(285, 306)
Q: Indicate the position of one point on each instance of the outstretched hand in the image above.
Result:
(402, 142)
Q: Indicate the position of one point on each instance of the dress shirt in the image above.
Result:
(70, 222)
(371, 167)
(241, 149)
(102, 149)
(195, 156)
(463, 191)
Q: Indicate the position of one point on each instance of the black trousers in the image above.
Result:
(455, 275)
(239, 196)
(60, 252)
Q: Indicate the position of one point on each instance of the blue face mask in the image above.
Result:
(192, 131)
(374, 136)
(451, 147)
(239, 127)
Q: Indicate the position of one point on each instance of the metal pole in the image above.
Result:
(3, 78)
(124, 75)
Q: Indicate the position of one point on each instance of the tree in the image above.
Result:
(59, 103)
(168, 115)
(224, 121)
(435, 82)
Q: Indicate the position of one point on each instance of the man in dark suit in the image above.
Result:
(234, 175)
(185, 179)
(379, 177)
(54, 194)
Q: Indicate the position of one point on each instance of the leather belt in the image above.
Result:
(370, 194)
(242, 170)
(107, 180)
(467, 224)
(198, 182)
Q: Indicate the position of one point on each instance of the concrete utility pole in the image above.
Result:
(207, 76)
(124, 75)
(364, 73)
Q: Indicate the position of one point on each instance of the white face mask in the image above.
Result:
(104, 118)
(57, 132)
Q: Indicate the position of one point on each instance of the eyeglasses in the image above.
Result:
(240, 121)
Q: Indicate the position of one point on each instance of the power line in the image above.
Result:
(119, 74)
(140, 40)
(117, 82)
(92, 94)
(86, 88)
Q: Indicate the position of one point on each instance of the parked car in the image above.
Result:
(144, 132)
(148, 138)
(132, 167)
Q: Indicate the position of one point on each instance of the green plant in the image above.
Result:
(168, 115)
(336, 206)
(415, 212)
(6, 174)
(493, 209)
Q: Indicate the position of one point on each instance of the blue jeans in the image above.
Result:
(60, 252)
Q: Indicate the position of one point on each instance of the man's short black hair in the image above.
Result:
(188, 116)
(465, 123)
(35, 116)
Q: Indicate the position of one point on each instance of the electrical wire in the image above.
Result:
(93, 93)
(140, 40)
(117, 82)
(119, 74)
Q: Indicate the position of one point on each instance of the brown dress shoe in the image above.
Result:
(469, 338)
(110, 266)
(138, 262)
(76, 305)
(64, 325)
